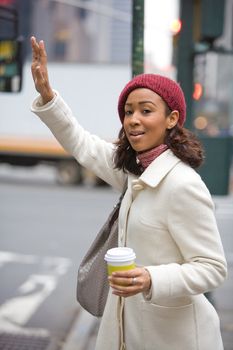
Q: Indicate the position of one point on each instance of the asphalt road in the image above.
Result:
(45, 229)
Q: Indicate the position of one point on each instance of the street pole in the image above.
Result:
(137, 37)
(185, 56)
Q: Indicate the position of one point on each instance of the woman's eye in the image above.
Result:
(128, 112)
(146, 111)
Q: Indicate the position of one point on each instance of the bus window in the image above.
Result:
(11, 57)
(10, 65)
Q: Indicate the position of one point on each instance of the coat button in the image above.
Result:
(138, 187)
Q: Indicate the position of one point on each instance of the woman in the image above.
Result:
(166, 215)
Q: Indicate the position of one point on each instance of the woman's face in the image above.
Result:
(145, 120)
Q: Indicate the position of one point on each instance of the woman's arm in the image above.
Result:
(192, 225)
(89, 150)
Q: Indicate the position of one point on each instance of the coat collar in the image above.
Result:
(159, 168)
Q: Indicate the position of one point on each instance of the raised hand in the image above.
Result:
(39, 70)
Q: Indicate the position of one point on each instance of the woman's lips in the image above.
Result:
(136, 135)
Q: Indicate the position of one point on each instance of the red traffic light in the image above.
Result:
(198, 91)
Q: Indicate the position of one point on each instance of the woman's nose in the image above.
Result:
(135, 118)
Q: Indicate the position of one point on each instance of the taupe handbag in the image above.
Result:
(92, 283)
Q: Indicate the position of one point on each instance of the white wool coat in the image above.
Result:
(167, 217)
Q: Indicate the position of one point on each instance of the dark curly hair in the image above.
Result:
(183, 143)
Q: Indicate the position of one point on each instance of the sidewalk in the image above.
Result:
(223, 299)
(82, 335)
(223, 303)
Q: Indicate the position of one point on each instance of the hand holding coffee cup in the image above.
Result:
(124, 277)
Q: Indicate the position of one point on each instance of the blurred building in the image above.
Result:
(97, 31)
(213, 74)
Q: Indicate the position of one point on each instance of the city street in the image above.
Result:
(170, 63)
(45, 231)
(223, 296)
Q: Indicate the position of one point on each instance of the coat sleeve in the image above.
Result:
(192, 225)
(89, 150)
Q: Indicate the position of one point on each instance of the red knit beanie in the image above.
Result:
(166, 88)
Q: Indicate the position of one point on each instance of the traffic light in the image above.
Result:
(208, 20)
(197, 91)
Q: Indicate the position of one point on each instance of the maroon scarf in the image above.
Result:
(145, 158)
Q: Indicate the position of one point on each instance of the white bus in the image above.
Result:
(91, 91)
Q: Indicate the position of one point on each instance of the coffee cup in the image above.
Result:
(120, 259)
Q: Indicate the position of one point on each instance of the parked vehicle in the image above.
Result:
(92, 93)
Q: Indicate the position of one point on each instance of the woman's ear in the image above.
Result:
(172, 119)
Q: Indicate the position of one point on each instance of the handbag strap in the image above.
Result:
(122, 195)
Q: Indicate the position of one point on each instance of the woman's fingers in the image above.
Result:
(43, 54)
(125, 290)
(131, 282)
(39, 75)
(35, 49)
(35, 56)
(39, 55)
(126, 282)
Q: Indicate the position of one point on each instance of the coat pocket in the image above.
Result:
(167, 328)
